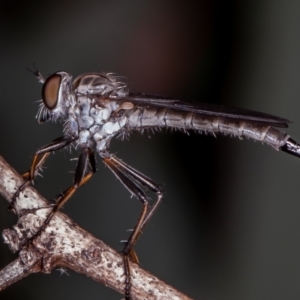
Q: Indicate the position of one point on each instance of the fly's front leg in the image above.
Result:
(132, 180)
(38, 160)
(26, 176)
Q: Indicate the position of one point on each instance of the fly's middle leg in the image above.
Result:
(85, 169)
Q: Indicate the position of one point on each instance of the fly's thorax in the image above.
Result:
(103, 134)
(87, 112)
(101, 84)
(101, 110)
(71, 127)
(100, 134)
(83, 105)
(94, 121)
(82, 112)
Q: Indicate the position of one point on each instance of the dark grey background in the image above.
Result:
(229, 226)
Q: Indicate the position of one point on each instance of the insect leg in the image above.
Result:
(132, 179)
(57, 144)
(41, 160)
(37, 162)
(86, 160)
(145, 181)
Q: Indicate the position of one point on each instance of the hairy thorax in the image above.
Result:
(95, 120)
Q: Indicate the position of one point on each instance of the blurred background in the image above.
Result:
(229, 224)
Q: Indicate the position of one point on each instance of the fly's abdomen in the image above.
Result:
(165, 117)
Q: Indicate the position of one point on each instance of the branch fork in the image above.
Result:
(63, 243)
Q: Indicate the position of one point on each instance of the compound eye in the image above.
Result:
(50, 91)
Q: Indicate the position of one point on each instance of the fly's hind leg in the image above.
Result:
(38, 160)
(133, 180)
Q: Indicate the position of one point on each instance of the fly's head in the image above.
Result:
(57, 97)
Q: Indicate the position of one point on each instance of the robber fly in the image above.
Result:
(96, 107)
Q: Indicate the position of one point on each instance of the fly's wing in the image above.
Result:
(238, 114)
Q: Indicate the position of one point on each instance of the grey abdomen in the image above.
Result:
(165, 117)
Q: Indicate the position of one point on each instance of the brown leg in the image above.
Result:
(86, 160)
(132, 180)
(26, 176)
(37, 162)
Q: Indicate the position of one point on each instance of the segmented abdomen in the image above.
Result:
(164, 117)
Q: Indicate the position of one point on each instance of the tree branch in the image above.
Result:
(64, 243)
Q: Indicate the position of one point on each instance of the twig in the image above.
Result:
(64, 243)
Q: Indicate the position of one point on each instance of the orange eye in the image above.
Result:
(50, 91)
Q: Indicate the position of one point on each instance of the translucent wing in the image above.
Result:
(239, 114)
